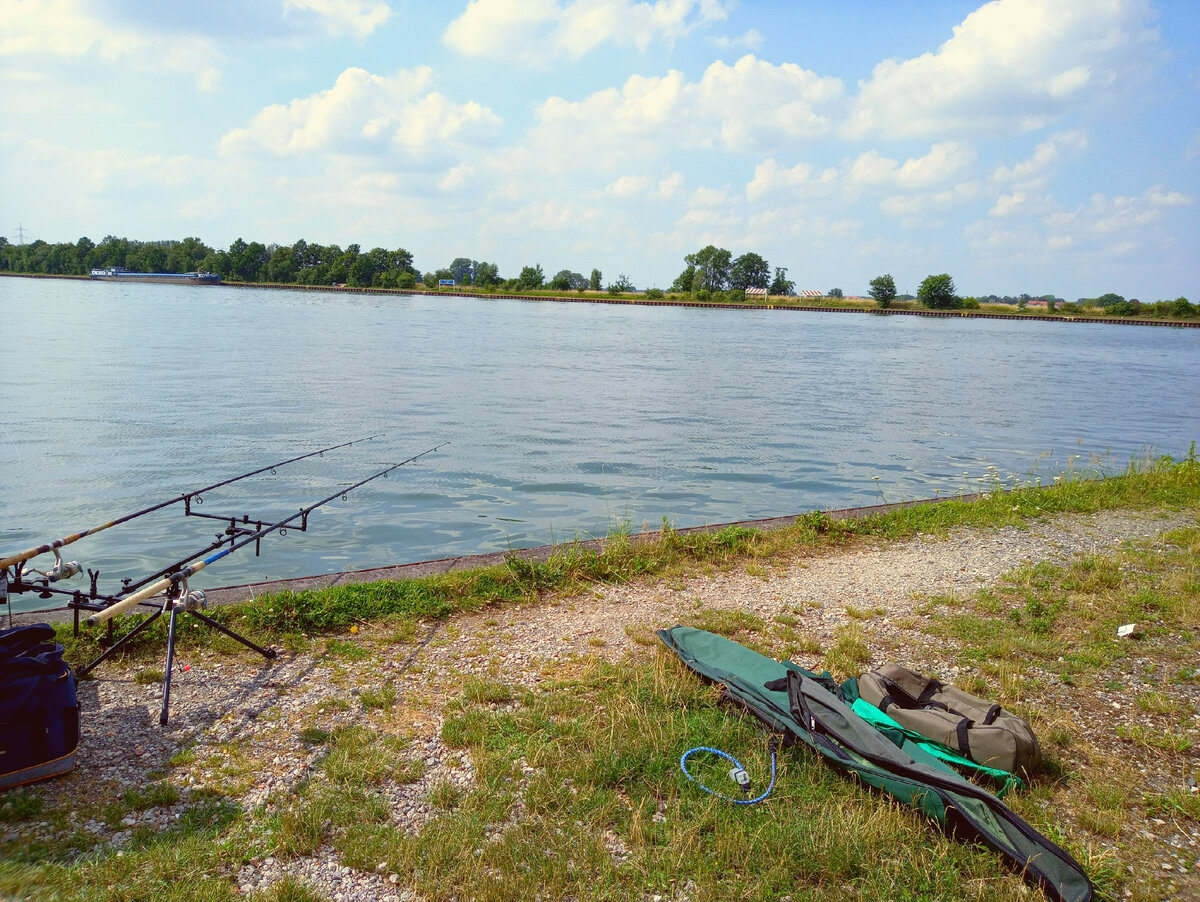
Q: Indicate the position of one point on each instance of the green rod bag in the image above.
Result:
(805, 710)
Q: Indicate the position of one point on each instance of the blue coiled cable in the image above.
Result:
(732, 760)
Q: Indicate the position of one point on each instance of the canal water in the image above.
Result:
(563, 420)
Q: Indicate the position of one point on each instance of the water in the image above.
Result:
(564, 420)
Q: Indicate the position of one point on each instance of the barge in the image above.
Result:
(119, 274)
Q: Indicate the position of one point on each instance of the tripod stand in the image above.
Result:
(178, 601)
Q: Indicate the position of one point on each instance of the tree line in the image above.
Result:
(711, 273)
(937, 292)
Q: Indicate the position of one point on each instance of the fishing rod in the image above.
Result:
(173, 581)
(60, 570)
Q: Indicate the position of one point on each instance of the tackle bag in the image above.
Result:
(978, 729)
(39, 711)
(804, 706)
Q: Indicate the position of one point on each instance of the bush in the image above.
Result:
(703, 295)
(654, 293)
(970, 304)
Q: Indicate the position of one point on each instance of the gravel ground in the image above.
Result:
(239, 716)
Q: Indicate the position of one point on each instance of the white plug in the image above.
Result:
(739, 776)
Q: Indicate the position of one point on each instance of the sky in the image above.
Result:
(1039, 146)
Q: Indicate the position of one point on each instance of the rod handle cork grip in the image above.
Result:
(141, 595)
(126, 603)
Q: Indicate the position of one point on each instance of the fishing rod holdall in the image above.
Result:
(39, 711)
(971, 726)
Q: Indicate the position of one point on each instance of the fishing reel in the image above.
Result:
(61, 569)
(188, 599)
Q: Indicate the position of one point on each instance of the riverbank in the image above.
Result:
(508, 749)
(780, 303)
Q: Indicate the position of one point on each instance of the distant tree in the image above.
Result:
(712, 264)
(281, 266)
(749, 271)
(486, 274)
(781, 284)
(594, 281)
(1110, 300)
(1181, 309)
(883, 290)
(683, 282)
(621, 285)
(937, 293)
(531, 278)
(462, 270)
(835, 293)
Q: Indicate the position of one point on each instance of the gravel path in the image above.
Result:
(239, 717)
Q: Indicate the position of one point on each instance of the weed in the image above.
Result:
(381, 697)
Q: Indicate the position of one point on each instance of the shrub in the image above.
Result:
(654, 293)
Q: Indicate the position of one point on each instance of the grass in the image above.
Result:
(577, 790)
(287, 617)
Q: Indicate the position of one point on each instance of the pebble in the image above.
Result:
(243, 715)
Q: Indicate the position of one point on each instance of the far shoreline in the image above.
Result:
(776, 303)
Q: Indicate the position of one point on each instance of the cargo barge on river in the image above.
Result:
(118, 274)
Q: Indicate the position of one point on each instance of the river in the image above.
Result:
(563, 420)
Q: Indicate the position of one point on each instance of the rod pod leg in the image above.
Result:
(162, 718)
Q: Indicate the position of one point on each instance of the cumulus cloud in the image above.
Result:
(68, 28)
(751, 40)
(368, 113)
(535, 31)
(944, 162)
(751, 105)
(357, 18)
(1012, 65)
(629, 185)
(1033, 172)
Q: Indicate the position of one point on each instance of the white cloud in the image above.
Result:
(629, 185)
(670, 186)
(67, 28)
(1008, 204)
(1160, 198)
(368, 113)
(751, 105)
(357, 18)
(751, 40)
(1033, 172)
(944, 162)
(1012, 65)
(535, 31)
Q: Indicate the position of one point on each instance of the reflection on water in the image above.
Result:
(563, 419)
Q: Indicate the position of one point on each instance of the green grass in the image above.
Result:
(578, 792)
(284, 616)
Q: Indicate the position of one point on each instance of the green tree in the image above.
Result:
(281, 267)
(749, 271)
(531, 278)
(937, 293)
(781, 284)
(621, 285)
(683, 282)
(1181, 309)
(1110, 300)
(564, 279)
(462, 270)
(836, 293)
(713, 265)
(594, 281)
(487, 274)
(883, 290)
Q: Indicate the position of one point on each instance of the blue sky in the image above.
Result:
(1019, 145)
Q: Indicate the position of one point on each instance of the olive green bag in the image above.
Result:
(973, 727)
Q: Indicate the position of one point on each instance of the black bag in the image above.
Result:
(39, 711)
